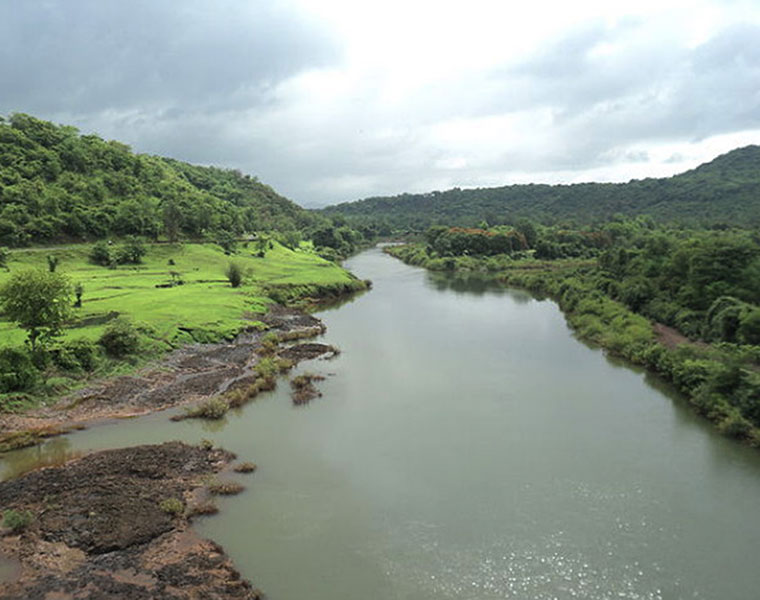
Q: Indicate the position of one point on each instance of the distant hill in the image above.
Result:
(58, 185)
(723, 191)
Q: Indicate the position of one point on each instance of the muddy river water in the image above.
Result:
(468, 446)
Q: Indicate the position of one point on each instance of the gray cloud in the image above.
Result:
(82, 56)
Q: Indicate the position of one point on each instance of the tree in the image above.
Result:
(39, 301)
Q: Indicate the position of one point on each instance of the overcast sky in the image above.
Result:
(335, 100)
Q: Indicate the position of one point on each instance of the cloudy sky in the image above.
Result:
(335, 100)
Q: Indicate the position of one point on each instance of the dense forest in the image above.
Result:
(725, 191)
(57, 185)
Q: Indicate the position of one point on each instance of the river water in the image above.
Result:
(468, 446)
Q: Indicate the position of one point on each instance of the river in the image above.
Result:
(467, 445)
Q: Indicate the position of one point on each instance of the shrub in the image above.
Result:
(131, 252)
(172, 506)
(213, 408)
(269, 343)
(267, 368)
(234, 274)
(52, 262)
(224, 488)
(735, 426)
(17, 520)
(78, 291)
(17, 371)
(4, 256)
(100, 254)
(120, 338)
(76, 355)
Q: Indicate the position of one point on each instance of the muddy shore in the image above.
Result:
(184, 377)
(116, 525)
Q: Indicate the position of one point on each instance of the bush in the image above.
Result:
(269, 343)
(213, 408)
(17, 371)
(100, 254)
(234, 275)
(172, 506)
(52, 262)
(120, 338)
(131, 252)
(77, 355)
(17, 520)
(224, 488)
(267, 368)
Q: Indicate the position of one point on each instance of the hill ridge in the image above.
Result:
(723, 190)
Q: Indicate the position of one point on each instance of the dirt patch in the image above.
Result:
(286, 320)
(99, 530)
(308, 351)
(672, 338)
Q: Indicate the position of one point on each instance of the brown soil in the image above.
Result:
(99, 532)
(185, 376)
(671, 338)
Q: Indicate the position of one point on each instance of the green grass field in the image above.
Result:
(204, 307)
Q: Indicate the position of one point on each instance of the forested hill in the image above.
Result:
(58, 185)
(723, 191)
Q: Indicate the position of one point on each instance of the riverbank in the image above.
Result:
(720, 381)
(188, 376)
(117, 524)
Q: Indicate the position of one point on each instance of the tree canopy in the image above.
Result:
(56, 184)
(723, 191)
(39, 301)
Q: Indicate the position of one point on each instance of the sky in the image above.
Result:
(336, 100)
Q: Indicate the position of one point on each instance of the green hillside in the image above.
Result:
(723, 191)
(57, 185)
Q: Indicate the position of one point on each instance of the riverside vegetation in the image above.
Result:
(177, 294)
(144, 254)
(681, 302)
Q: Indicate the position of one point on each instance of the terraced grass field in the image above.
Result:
(204, 307)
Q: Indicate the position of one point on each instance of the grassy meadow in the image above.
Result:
(203, 308)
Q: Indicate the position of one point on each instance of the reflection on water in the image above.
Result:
(54, 451)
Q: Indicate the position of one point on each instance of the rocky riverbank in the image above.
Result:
(116, 525)
(186, 376)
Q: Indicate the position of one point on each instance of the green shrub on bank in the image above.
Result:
(120, 338)
(213, 409)
(17, 371)
(16, 520)
(172, 506)
(76, 356)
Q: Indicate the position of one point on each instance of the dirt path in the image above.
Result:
(116, 525)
